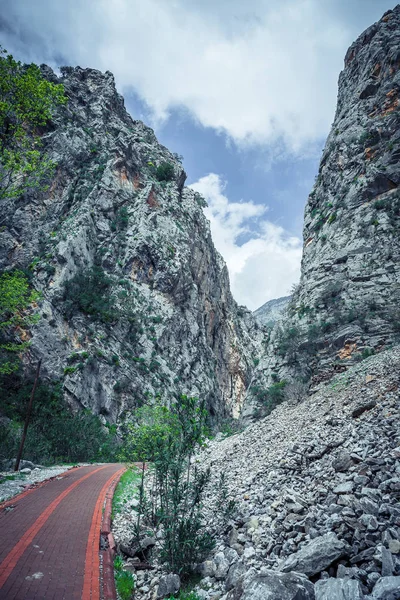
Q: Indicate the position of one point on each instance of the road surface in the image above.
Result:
(50, 537)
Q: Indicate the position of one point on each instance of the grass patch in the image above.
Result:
(127, 486)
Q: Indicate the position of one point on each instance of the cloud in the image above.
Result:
(262, 258)
(262, 72)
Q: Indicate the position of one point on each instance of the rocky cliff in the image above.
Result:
(270, 312)
(135, 299)
(346, 305)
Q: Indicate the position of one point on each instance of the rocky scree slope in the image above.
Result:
(317, 490)
(135, 298)
(347, 300)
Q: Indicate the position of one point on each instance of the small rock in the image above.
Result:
(344, 488)
(168, 585)
(394, 546)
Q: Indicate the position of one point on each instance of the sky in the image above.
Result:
(244, 91)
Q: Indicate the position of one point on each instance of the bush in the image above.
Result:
(165, 172)
(270, 397)
(89, 291)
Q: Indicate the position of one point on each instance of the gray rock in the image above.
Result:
(343, 462)
(387, 588)
(344, 488)
(221, 566)
(235, 574)
(316, 556)
(394, 546)
(387, 562)
(278, 586)
(338, 589)
(168, 585)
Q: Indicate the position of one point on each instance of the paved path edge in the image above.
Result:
(108, 580)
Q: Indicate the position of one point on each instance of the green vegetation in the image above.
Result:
(269, 397)
(165, 172)
(124, 581)
(127, 486)
(27, 102)
(55, 434)
(89, 291)
(168, 438)
(185, 595)
(16, 313)
(121, 220)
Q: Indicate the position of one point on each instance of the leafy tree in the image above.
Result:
(169, 438)
(16, 302)
(27, 101)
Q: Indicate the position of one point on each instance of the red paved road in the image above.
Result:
(50, 538)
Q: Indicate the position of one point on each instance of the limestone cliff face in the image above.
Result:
(347, 303)
(117, 216)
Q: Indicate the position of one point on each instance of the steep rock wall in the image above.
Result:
(168, 323)
(347, 303)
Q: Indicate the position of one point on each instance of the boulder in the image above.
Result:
(387, 588)
(316, 556)
(235, 574)
(273, 585)
(221, 566)
(338, 589)
(168, 585)
(138, 548)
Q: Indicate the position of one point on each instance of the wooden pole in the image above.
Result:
(27, 419)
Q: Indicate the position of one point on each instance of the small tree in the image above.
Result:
(27, 101)
(169, 438)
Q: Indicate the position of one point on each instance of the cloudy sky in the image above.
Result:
(245, 91)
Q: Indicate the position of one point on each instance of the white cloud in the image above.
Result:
(267, 264)
(261, 71)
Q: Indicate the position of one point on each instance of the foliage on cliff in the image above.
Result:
(27, 101)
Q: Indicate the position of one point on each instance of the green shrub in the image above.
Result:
(165, 172)
(89, 291)
(270, 397)
(125, 584)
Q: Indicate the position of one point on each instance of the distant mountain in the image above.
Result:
(269, 313)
